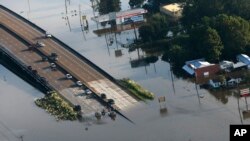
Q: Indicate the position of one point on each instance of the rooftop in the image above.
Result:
(173, 7)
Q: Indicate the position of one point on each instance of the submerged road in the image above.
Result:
(67, 60)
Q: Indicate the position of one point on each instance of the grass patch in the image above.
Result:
(136, 89)
(57, 107)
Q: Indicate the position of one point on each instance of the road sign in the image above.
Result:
(161, 99)
(84, 17)
(245, 92)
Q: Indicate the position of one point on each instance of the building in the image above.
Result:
(128, 16)
(206, 71)
(229, 82)
(200, 68)
(122, 17)
(214, 83)
(173, 10)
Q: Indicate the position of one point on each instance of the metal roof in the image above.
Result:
(243, 58)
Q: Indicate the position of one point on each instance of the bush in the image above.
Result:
(136, 89)
(56, 106)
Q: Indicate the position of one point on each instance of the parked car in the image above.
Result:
(78, 83)
(68, 76)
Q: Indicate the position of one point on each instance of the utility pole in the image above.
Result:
(21, 138)
(134, 30)
(246, 103)
(66, 7)
(29, 4)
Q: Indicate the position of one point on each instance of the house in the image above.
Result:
(229, 82)
(200, 68)
(190, 66)
(244, 59)
(214, 83)
(233, 81)
(173, 10)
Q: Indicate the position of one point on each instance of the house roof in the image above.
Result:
(238, 65)
(130, 12)
(225, 62)
(199, 63)
(243, 58)
(190, 66)
(188, 69)
(122, 14)
(173, 7)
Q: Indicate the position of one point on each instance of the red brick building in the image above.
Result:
(207, 71)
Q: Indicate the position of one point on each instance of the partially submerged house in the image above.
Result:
(200, 68)
(228, 82)
(229, 66)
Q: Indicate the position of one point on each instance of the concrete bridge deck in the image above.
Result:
(68, 61)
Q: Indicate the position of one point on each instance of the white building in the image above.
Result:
(133, 15)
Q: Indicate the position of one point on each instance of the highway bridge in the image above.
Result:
(20, 38)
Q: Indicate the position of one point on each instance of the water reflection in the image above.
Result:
(142, 61)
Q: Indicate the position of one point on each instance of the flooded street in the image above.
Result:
(188, 117)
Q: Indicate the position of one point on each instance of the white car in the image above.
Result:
(48, 35)
(88, 91)
(78, 83)
(52, 65)
(40, 44)
(68, 76)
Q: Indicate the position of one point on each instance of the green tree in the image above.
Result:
(205, 43)
(177, 55)
(135, 3)
(234, 32)
(145, 32)
(212, 45)
(107, 6)
(156, 28)
(195, 10)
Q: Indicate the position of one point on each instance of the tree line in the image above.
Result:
(210, 29)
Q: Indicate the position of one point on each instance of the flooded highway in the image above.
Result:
(189, 117)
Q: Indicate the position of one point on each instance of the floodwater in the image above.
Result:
(188, 117)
